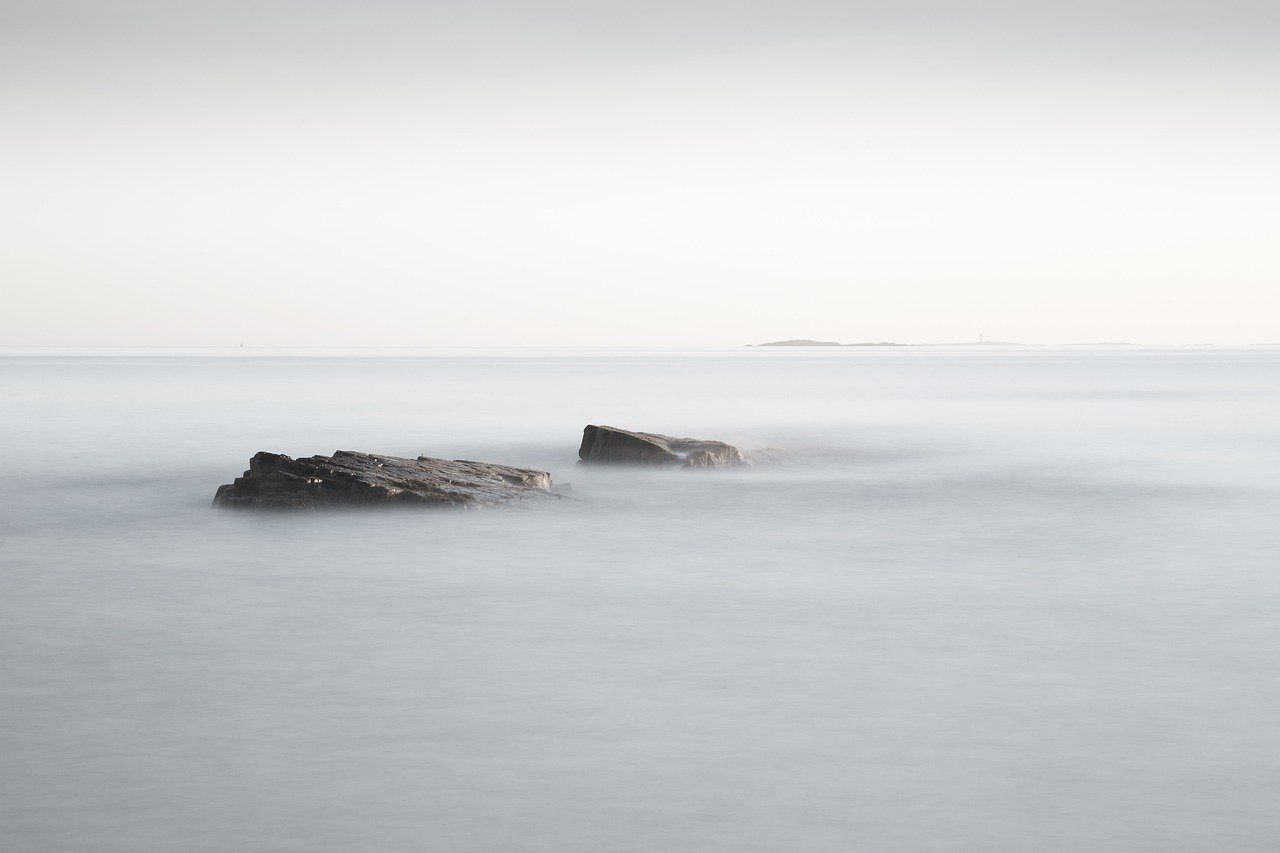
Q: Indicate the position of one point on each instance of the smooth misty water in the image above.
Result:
(999, 600)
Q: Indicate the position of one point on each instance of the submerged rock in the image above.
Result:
(619, 446)
(349, 478)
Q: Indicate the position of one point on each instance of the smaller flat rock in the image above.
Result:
(350, 478)
(611, 445)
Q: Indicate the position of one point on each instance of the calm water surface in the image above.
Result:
(995, 600)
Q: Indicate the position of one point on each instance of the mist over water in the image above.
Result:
(997, 600)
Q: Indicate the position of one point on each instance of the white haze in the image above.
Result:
(1005, 601)
(586, 174)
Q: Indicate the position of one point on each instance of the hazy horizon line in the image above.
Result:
(766, 345)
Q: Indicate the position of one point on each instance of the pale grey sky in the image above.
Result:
(484, 173)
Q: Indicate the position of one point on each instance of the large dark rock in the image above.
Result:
(619, 446)
(348, 478)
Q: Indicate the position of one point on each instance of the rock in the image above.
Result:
(348, 478)
(608, 444)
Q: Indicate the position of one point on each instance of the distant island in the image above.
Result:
(808, 343)
(800, 343)
(981, 344)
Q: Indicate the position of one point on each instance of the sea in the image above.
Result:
(971, 599)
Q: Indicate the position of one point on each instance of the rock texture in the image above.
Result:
(348, 478)
(619, 446)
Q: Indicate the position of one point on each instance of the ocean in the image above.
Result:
(986, 599)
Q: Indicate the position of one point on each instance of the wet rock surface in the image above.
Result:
(611, 445)
(349, 478)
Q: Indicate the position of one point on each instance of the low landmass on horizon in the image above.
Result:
(807, 343)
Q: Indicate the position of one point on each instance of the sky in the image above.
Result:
(388, 173)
